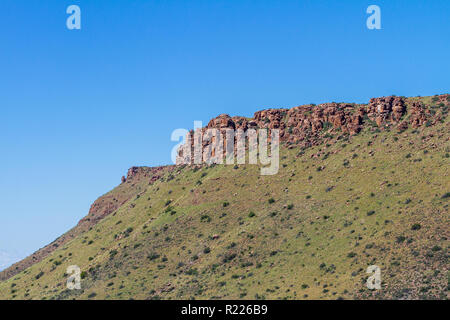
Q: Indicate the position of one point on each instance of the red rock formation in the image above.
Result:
(307, 125)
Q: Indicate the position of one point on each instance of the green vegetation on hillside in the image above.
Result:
(309, 232)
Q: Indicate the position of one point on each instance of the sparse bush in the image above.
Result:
(153, 256)
(416, 226)
(231, 245)
(205, 218)
(228, 257)
(112, 253)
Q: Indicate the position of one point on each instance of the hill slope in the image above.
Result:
(342, 200)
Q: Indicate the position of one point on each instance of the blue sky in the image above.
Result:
(79, 107)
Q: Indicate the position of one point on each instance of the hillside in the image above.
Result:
(358, 185)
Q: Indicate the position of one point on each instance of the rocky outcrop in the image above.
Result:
(309, 125)
(110, 202)
(386, 109)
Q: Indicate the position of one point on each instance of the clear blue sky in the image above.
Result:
(78, 108)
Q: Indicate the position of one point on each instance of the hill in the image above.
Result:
(358, 185)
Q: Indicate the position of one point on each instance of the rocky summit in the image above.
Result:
(303, 126)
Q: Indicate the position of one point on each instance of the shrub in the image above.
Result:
(153, 256)
(228, 257)
(226, 204)
(231, 245)
(271, 200)
(371, 212)
(112, 253)
(290, 206)
(416, 226)
(205, 218)
(251, 214)
(327, 125)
